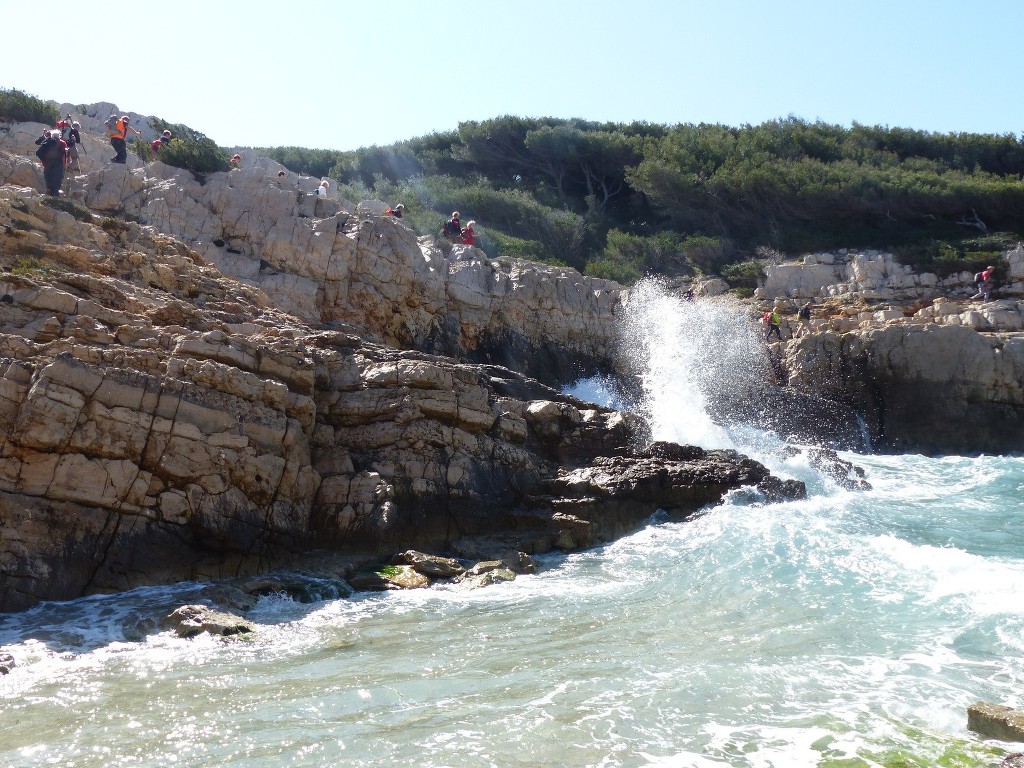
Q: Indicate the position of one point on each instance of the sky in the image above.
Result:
(340, 74)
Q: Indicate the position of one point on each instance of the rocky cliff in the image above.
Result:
(209, 378)
(930, 369)
(202, 380)
(333, 262)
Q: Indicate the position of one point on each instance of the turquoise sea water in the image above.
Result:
(847, 629)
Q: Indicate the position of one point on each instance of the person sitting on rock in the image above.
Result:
(452, 229)
(397, 211)
(469, 234)
(321, 191)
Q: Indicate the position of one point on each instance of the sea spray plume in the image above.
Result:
(705, 378)
(694, 359)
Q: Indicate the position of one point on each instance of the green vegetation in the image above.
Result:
(188, 149)
(625, 200)
(389, 571)
(19, 107)
(113, 227)
(28, 263)
(63, 204)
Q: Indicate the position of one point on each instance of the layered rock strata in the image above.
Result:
(331, 261)
(161, 421)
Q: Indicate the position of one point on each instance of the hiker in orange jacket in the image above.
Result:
(119, 137)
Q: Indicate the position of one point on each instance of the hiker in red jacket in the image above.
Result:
(469, 234)
(158, 142)
(984, 282)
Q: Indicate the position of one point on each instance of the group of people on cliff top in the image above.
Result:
(59, 147)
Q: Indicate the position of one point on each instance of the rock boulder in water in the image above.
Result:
(995, 721)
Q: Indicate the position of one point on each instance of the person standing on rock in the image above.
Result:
(984, 282)
(469, 234)
(119, 139)
(73, 137)
(53, 154)
(805, 317)
(774, 324)
(452, 229)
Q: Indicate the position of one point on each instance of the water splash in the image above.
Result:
(694, 359)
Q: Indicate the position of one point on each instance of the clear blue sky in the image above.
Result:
(342, 74)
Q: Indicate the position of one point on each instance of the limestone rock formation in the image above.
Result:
(162, 421)
(192, 620)
(329, 261)
(929, 388)
(928, 369)
(209, 379)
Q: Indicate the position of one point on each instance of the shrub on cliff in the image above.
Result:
(19, 107)
(188, 149)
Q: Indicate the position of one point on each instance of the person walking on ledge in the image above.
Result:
(119, 138)
(774, 323)
(53, 154)
(983, 280)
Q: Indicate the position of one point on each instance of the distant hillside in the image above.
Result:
(623, 200)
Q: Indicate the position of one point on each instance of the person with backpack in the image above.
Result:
(451, 230)
(159, 141)
(397, 211)
(983, 280)
(73, 138)
(804, 315)
(52, 153)
(119, 137)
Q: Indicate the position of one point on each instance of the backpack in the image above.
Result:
(979, 277)
(450, 228)
(111, 124)
(767, 319)
(65, 129)
(48, 150)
